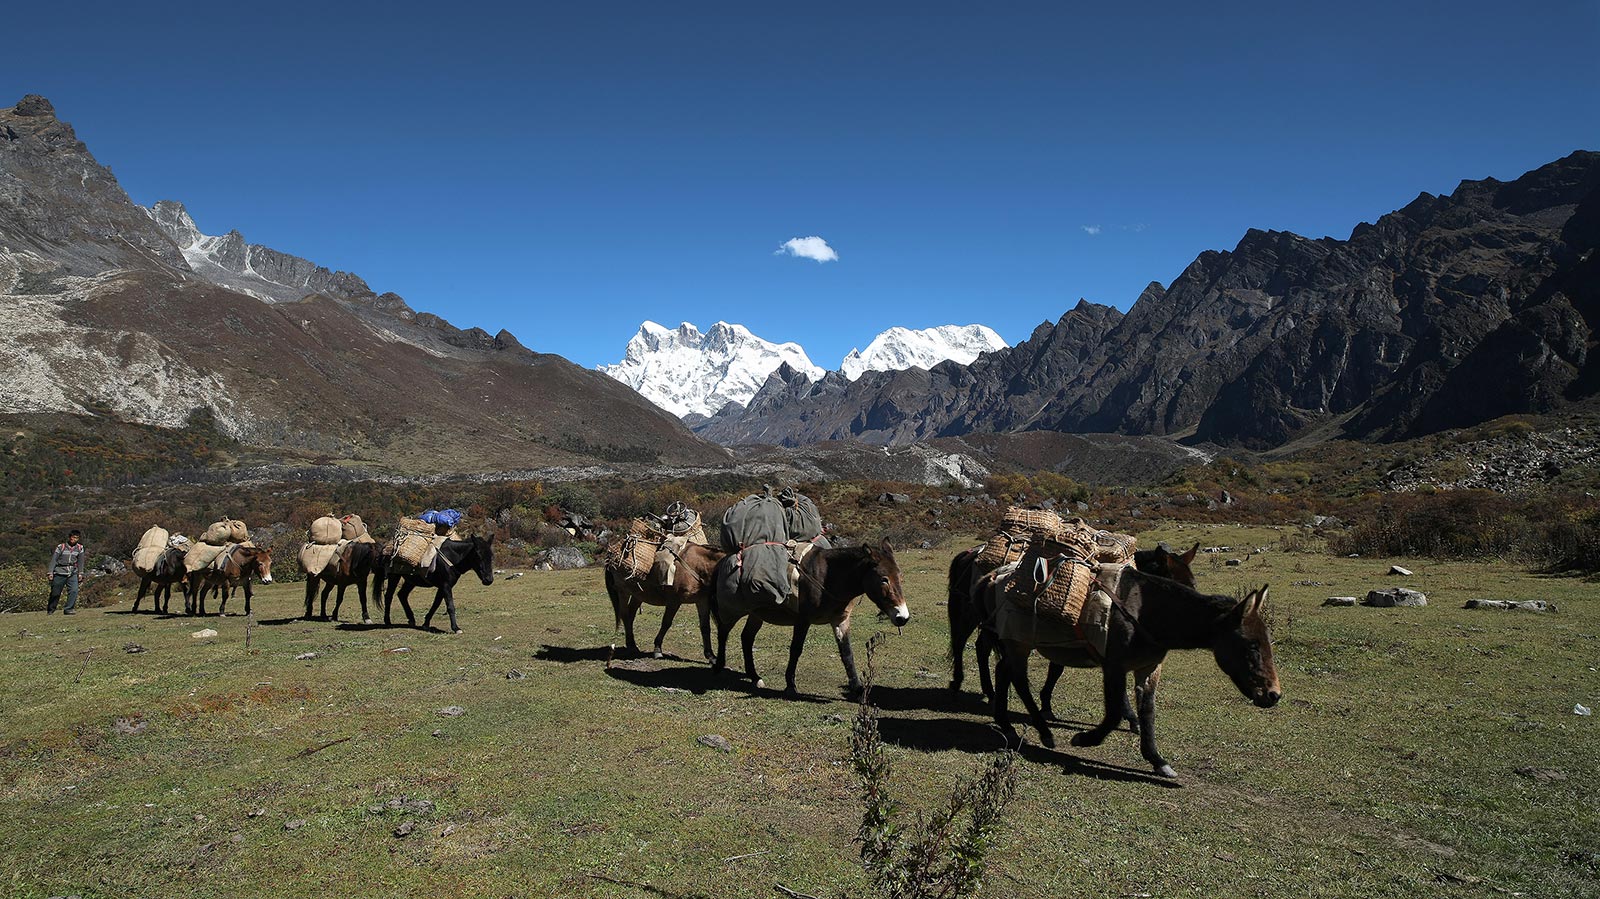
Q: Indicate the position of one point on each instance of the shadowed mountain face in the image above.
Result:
(1451, 311)
(130, 313)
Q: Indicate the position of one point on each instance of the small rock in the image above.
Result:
(715, 741)
(1234, 563)
(515, 674)
(831, 718)
(295, 824)
(405, 828)
(132, 647)
(672, 689)
(399, 649)
(1339, 601)
(255, 813)
(438, 733)
(130, 727)
(203, 633)
(893, 498)
(1579, 709)
(451, 711)
(1396, 569)
(514, 575)
(305, 656)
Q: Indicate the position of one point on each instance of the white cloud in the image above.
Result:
(808, 248)
(1091, 229)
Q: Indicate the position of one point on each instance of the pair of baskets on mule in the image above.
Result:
(1056, 573)
(635, 555)
(1021, 527)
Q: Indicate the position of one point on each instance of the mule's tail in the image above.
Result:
(958, 600)
(615, 592)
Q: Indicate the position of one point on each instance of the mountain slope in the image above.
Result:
(111, 320)
(1450, 311)
(687, 372)
(901, 348)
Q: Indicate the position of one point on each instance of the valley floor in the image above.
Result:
(1430, 751)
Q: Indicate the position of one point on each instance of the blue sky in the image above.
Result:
(568, 171)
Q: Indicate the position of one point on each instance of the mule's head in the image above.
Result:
(883, 583)
(1163, 562)
(483, 552)
(1243, 650)
(263, 562)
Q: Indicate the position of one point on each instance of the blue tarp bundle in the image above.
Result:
(447, 517)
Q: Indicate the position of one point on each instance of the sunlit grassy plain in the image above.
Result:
(1388, 770)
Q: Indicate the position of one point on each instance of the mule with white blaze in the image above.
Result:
(1144, 617)
(830, 583)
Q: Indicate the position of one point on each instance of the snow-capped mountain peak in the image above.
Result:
(901, 348)
(684, 370)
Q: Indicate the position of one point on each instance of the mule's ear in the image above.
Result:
(1188, 557)
(885, 548)
(491, 538)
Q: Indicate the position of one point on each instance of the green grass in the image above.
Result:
(1388, 770)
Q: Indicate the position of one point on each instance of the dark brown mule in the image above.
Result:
(239, 567)
(1150, 617)
(694, 582)
(455, 558)
(168, 570)
(831, 580)
(353, 570)
(967, 609)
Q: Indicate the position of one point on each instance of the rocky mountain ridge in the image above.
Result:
(1450, 311)
(134, 315)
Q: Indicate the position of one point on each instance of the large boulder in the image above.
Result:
(562, 558)
(1395, 597)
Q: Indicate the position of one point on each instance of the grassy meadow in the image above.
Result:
(200, 767)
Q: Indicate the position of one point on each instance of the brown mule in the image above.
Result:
(238, 567)
(831, 580)
(1150, 617)
(694, 582)
(356, 565)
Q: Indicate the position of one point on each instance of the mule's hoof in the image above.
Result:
(366, 621)
(457, 631)
(760, 684)
(1047, 739)
(1166, 771)
(1086, 738)
(659, 654)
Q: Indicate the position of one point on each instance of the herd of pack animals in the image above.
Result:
(1154, 604)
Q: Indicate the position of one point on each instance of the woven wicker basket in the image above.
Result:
(1056, 587)
(1030, 521)
(637, 552)
(1114, 549)
(412, 540)
(1003, 548)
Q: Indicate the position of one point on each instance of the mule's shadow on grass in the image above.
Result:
(566, 655)
(965, 735)
(929, 699)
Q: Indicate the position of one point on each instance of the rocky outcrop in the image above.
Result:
(1451, 311)
(261, 272)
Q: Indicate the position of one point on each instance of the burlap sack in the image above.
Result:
(326, 531)
(146, 557)
(315, 557)
(156, 536)
(351, 527)
(201, 555)
(228, 530)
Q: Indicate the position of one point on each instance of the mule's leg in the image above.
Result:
(962, 624)
(1144, 687)
(1048, 691)
(1015, 660)
(747, 639)
(704, 608)
(841, 635)
(667, 614)
(337, 602)
(247, 597)
(322, 606)
(630, 611)
(405, 602)
(361, 591)
(388, 600)
(311, 592)
(986, 649)
(724, 627)
(796, 644)
(144, 584)
(1000, 700)
(1116, 685)
(450, 607)
(438, 600)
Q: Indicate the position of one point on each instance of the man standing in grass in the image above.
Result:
(66, 572)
